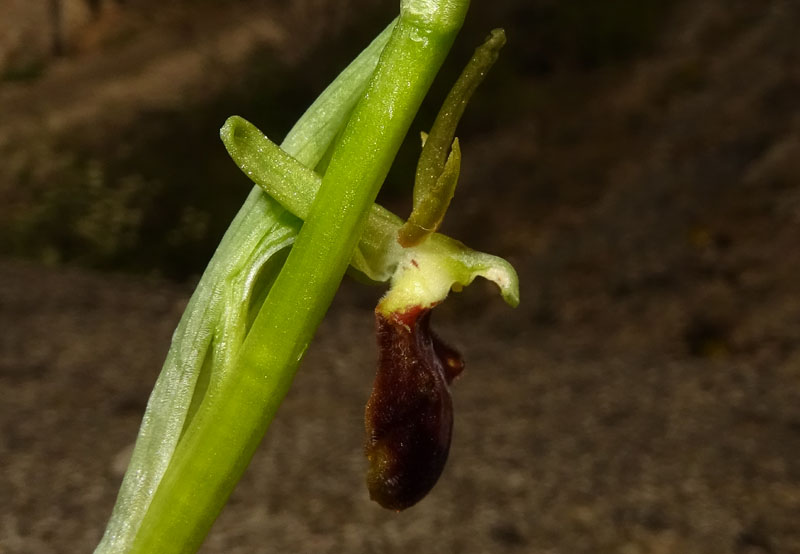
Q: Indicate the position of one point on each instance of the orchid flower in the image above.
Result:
(409, 414)
(265, 291)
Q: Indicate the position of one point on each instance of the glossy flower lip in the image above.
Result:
(409, 416)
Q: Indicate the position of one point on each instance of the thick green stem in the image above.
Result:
(214, 324)
(228, 425)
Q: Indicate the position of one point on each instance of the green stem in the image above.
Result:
(214, 323)
(228, 425)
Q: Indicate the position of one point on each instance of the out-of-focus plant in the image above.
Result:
(266, 289)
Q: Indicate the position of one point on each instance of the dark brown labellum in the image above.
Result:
(409, 416)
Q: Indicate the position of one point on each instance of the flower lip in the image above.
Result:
(409, 416)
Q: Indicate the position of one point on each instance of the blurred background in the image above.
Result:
(638, 161)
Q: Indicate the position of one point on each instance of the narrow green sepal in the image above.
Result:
(285, 179)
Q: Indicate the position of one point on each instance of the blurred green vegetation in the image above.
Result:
(158, 197)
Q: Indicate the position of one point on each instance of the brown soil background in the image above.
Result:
(640, 169)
